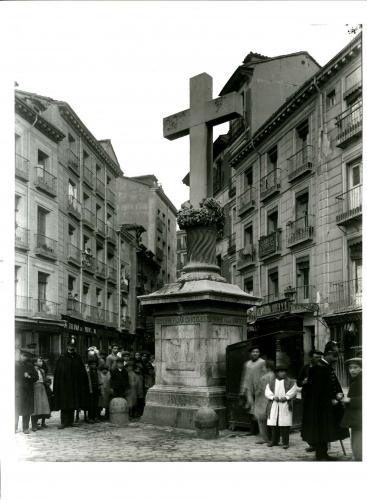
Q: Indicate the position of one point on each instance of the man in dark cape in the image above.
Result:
(25, 377)
(323, 409)
(70, 385)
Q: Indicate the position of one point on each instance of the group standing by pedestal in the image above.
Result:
(327, 413)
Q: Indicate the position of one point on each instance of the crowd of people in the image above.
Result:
(80, 387)
(268, 394)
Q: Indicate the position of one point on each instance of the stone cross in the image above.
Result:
(198, 121)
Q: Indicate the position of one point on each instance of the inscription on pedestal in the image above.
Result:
(178, 345)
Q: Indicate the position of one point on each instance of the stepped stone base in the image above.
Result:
(177, 406)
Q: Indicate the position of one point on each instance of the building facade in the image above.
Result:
(181, 251)
(292, 192)
(67, 273)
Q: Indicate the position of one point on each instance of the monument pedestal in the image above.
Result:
(195, 320)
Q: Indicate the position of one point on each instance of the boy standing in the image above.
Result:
(119, 380)
(25, 377)
(353, 407)
(280, 392)
(94, 390)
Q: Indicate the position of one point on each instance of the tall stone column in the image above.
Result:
(195, 319)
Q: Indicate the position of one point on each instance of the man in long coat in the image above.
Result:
(25, 377)
(323, 409)
(70, 385)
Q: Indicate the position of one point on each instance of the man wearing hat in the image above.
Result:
(353, 407)
(25, 377)
(70, 385)
(252, 371)
(323, 409)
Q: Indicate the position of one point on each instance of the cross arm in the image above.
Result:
(223, 109)
(177, 125)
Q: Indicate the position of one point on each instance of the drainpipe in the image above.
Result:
(119, 280)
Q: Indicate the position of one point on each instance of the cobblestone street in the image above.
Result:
(103, 442)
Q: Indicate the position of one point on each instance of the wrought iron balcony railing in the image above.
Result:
(300, 163)
(124, 287)
(101, 227)
(111, 234)
(349, 205)
(21, 167)
(100, 187)
(45, 181)
(246, 256)
(111, 198)
(246, 201)
(74, 254)
(74, 206)
(125, 322)
(88, 262)
(47, 247)
(346, 295)
(23, 305)
(46, 308)
(300, 230)
(73, 161)
(111, 273)
(111, 318)
(270, 184)
(269, 245)
(21, 238)
(349, 124)
(89, 218)
(86, 311)
(88, 176)
(73, 306)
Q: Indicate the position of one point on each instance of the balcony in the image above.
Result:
(96, 314)
(111, 318)
(300, 230)
(101, 269)
(101, 227)
(125, 322)
(159, 254)
(232, 188)
(45, 308)
(88, 263)
(111, 198)
(22, 305)
(21, 167)
(74, 207)
(111, 234)
(349, 206)
(270, 184)
(246, 256)
(231, 244)
(161, 227)
(346, 295)
(100, 188)
(349, 124)
(246, 201)
(74, 255)
(89, 219)
(301, 298)
(46, 247)
(111, 274)
(21, 238)
(124, 286)
(269, 245)
(300, 163)
(86, 311)
(73, 161)
(44, 181)
(88, 176)
(73, 307)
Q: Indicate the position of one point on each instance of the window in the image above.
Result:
(16, 279)
(86, 243)
(248, 285)
(17, 209)
(272, 159)
(248, 178)
(72, 235)
(18, 144)
(164, 216)
(248, 239)
(99, 297)
(302, 136)
(272, 221)
(169, 224)
(353, 78)
(99, 172)
(42, 159)
(109, 180)
(273, 285)
(86, 159)
(355, 274)
(72, 190)
(72, 142)
(302, 205)
(233, 273)
(42, 291)
(330, 99)
(41, 221)
(302, 278)
(71, 285)
(354, 174)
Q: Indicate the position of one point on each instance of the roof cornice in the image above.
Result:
(302, 95)
(74, 121)
(44, 126)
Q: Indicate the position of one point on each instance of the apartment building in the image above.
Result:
(292, 192)
(181, 251)
(141, 200)
(67, 208)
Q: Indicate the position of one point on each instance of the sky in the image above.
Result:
(123, 66)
